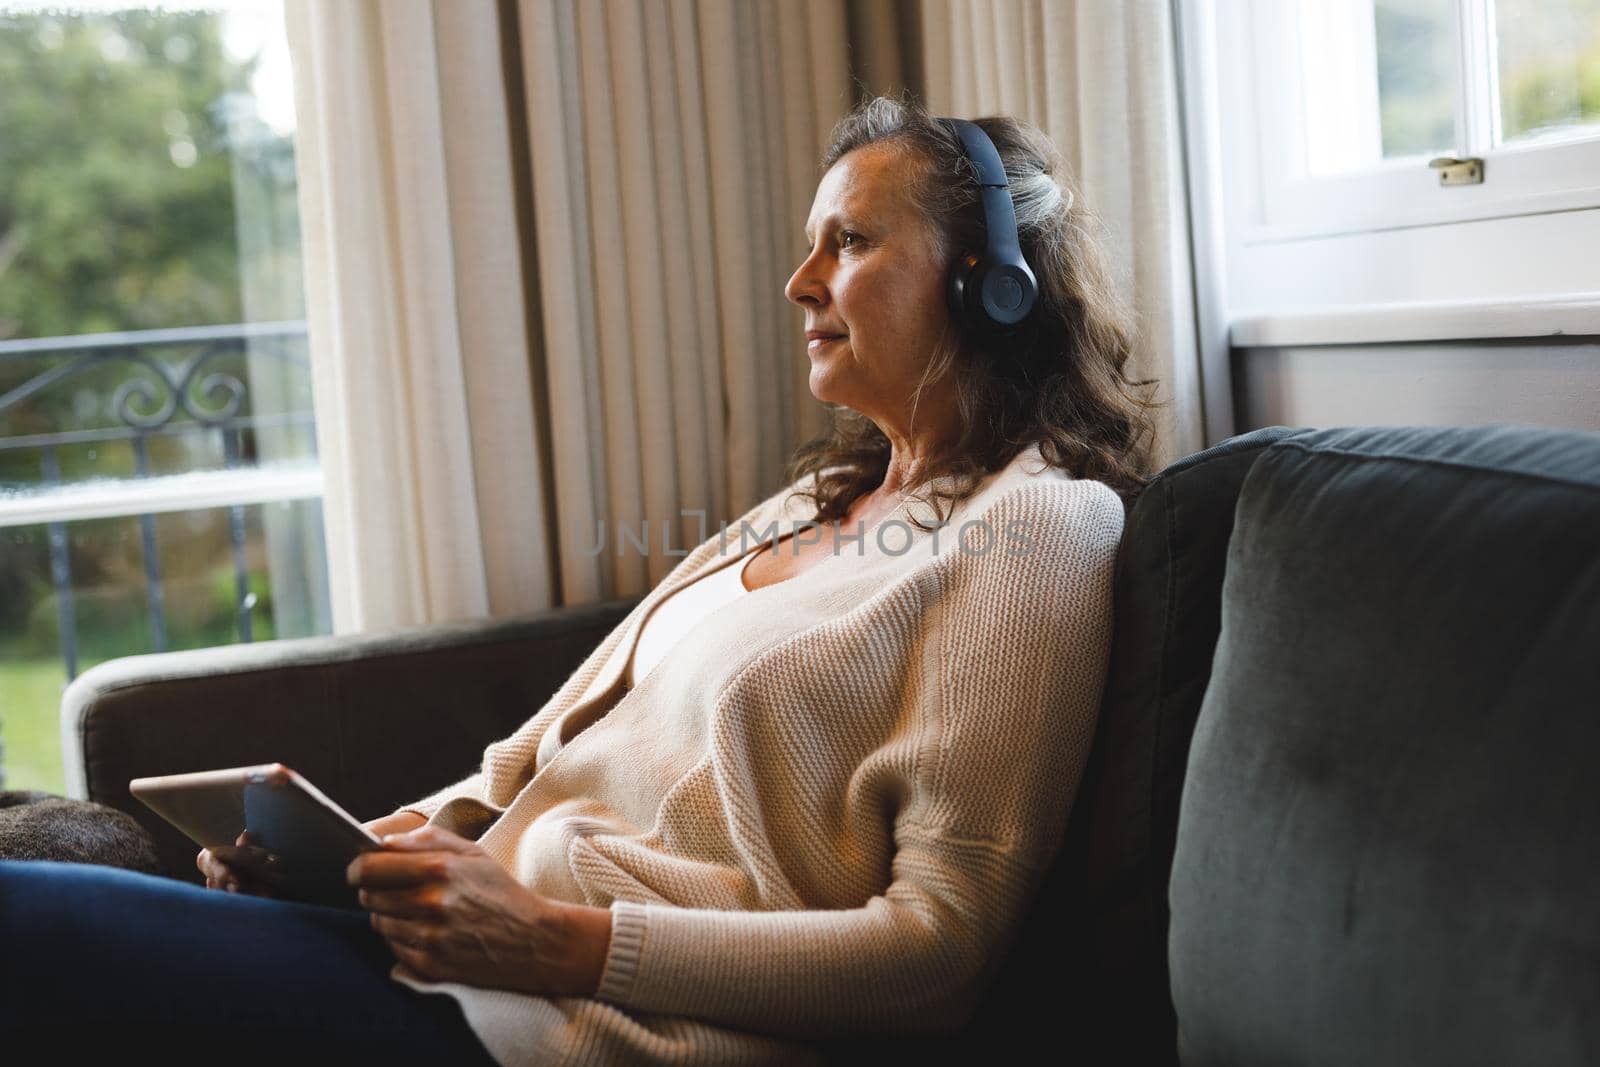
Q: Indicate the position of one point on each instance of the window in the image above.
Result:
(1348, 102)
(159, 486)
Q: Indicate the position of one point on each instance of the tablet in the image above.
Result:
(310, 839)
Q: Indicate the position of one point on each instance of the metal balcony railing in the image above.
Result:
(180, 396)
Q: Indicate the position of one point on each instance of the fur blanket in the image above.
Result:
(42, 826)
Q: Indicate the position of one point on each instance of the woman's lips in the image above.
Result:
(818, 342)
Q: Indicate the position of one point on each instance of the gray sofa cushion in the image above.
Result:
(1119, 849)
(1387, 847)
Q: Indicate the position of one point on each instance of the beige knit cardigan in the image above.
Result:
(823, 812)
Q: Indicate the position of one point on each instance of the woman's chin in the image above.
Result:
(835, 376)
(823, 388)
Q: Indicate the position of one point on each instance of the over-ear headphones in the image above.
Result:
(990, 294)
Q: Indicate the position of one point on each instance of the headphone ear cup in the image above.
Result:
(1007, 294)
(965, 306)
(990, 300)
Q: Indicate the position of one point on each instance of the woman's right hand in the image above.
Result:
(238, 868)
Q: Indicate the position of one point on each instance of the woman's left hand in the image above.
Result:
(451, 913)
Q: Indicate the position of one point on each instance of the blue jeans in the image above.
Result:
(103, 960)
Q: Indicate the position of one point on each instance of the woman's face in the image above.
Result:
(873, 278)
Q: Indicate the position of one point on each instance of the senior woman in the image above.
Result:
(806, 788)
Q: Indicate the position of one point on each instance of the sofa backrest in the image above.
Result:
(1113, 869)
(1387, 845)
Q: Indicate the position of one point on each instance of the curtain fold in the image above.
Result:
(675, 158)
(416, 316)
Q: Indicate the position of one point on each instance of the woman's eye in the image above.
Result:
(844, 237)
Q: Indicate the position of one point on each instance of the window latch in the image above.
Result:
(1453, 171)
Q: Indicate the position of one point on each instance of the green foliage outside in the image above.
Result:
(1416, 76)
(1550, 64)
(32, 739)
(107, 222)
(1549, 59)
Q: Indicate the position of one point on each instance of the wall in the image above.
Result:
(1540, 382)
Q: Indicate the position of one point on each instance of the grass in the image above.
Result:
(30, 708)
(30, 716)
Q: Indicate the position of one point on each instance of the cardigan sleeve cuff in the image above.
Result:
(459, 808)
(622, 958)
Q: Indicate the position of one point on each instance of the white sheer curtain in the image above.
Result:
(546, 244)
(432, 470)
(1101, 79)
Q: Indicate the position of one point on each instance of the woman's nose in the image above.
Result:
(806, 284)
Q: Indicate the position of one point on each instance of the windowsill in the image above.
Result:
(196, 491)
(1575, 315)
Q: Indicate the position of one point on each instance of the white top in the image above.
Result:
(680, 612)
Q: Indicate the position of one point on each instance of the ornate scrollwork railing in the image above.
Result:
(180, 391)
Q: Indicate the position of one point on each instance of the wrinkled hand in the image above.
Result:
(451, 913)
(243, 867)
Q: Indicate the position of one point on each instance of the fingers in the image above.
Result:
(235, 876)
(202, 861)
(411, 859)
(217, 873)
(430, 839)
(425, 904)
(228, 882)
(399, 870)
(257, 870)
(240, 855)
(398, 823)
(418, 961)
(411, 933)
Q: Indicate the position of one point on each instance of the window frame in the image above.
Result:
(1258, 41)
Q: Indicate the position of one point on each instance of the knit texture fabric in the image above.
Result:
(827, 809)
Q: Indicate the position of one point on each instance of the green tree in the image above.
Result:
(126, 141)
(1550, 65)
(116, 202)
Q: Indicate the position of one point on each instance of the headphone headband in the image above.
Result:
(980, 150)
(994, 292)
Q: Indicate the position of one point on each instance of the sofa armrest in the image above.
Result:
(376, 720)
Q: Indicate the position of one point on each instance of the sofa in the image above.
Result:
(1342, 804)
